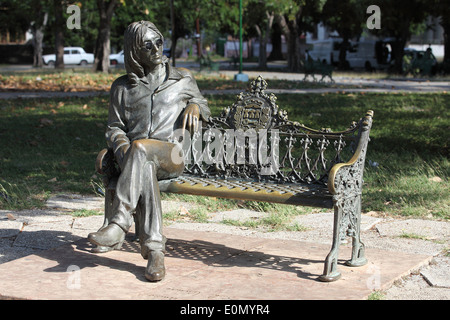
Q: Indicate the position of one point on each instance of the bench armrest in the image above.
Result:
(100, 162)
(347, 176)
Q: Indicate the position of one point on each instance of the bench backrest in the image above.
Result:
(253, 139)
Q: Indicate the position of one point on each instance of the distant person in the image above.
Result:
(429, 54)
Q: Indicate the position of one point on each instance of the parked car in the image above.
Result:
(166, 52)
(72, 55)
(325, 50)
(369, 55)
(419, 62)
(116, 58)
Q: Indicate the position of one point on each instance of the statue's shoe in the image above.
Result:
(155, 270)
(110, 237)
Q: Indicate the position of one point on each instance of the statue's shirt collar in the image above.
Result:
(174, 74)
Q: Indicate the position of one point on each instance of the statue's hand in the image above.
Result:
(121, 155)
(191, 118)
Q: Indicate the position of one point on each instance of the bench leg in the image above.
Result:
(330, 272)
(347, 222)
(358, 249)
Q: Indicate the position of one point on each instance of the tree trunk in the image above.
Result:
(291, 32)
(277, 46)
(173, 35)
(38, 37)
(446, 27)
(262, 52)
(59, 34)
(398, 52)
(199, 44)
(343, 65)
(102, 47)
(264, 39)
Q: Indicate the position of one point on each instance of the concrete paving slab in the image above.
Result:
(46, 235)
(72, 202)
(415, 288)
(29, 216)
(238, 215)
(438, 273)
(8, 252)
(201, 265)
(429, 229)
(10, 228)
(76, 202)
(324, 220)
(88, 223)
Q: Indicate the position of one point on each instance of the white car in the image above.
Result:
(116, 58)
(72, 55)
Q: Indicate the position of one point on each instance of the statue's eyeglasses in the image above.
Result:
(149, 45)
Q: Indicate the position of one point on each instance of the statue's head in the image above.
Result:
(143, 49)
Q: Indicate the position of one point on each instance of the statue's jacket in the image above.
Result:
(135, 112)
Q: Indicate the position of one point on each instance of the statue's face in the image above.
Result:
(151, 52)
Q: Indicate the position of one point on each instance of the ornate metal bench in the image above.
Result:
(208, 64)
(313, 67)
(253, 152)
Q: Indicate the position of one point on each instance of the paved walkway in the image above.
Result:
(220, 257)
(353, 85)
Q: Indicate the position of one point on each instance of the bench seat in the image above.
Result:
(296, 194)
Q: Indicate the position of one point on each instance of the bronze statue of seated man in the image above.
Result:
(147, 106)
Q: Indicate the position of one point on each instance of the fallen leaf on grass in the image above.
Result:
(33, 143)
(184, 211)
(46, 122)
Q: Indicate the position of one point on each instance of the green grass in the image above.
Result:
(377, 295)
(85, 213)
(50, 145)
(413, 236)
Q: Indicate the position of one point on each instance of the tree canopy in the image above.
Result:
(103, 22)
